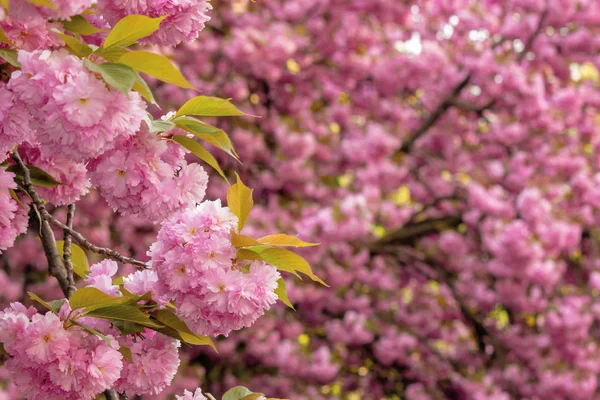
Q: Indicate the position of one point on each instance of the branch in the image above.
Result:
(435, 115)
(412, 231)
(111, 395)
(84, 243)
(535, 34)
(67, 247)
(55, 261)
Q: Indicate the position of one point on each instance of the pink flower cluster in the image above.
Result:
(73, 113)
(195, 263)
(148, 177)
(48, 361)
(142, 375)
(184, 18)
(187, 395)
(13, 217)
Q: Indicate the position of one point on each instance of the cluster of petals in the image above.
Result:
(142, 374)
(196, 395)
(14, 122)
(13, 216)
(195, 263)
(149, 177)
(184, 19)
(73, 113)
(48, 361)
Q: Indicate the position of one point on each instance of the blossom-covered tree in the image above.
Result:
(444, 153)
(74, 119)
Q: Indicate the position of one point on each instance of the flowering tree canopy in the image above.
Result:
(443, 154)
(74, 118)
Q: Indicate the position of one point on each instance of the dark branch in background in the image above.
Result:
(452, 98)
(67, 248)
(84, 243)
(435, 115)
(55, 261)
(413, 231)
(535, 34)
(111, 395)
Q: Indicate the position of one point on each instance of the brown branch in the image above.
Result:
(55, 261)
(67, 249)
(84, 243)
(535, 34)
(412, 231)
(435, 115)
(111, 395)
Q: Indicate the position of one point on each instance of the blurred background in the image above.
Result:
(445, 155)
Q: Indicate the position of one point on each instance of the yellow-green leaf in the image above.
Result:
(4, 4)
(10, 56)
(126, 352)
(284, 240)
(76, 46)
(89, 297)
(171, 320)
(81, 266)
(124, 312)
(118, 76)
(35, 297)
(79, 24)
(155, 65)
(239, 200)
(200, 152)
(209, 107)
(236, 393)
(243, 241)
(39, 177)
(286, 260)
(4, 39)
(42, 3)
(243, 254)
(281, 293)
(210, 134)
(130, 29)
(143, 89)
(112, 54)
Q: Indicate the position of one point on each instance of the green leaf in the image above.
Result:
(57, 305)
(10, 56)
(155, 65)
(130, 29)
(127, 327)
(79, 24)
(172, 321)
(209, 107)
(142, 88)
(124, 312)
(254, 396)
(92, 331)
(38, 176)
(76, 46)
(199, 152)
(4, 39)
(158, 125)
(210, 134)
(126, 351)
(119, 76)
(286, 260)
(243, 241)
(281, 293)
(90, 297)
(239, 200)
(236, 393)
(243, 254)
(35, 297)
(42, 3)
(285, 240)
(81, 266)
(113, 54)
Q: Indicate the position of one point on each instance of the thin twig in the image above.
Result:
(535, 34)
(84, 243)
(67, 249)
(55, 261)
